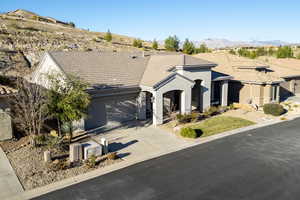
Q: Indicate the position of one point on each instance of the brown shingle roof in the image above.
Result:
(104, 69)
(160, 66)
(242, 69)
(122, 69)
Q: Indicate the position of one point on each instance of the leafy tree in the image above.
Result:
(137, 43)
(202, 49)
(155, 44)
(72, 24)
(188, 47)
(271, 51)
(231, 51)
(172, 43)
(108, 36)
(253, 54)
(28, 108)
(261, 51)
(68, 100)
(284, 52)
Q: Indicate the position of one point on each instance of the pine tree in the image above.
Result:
(137, 43)
(172, 43)
(108, 36)
(155, 44)
(188, 47)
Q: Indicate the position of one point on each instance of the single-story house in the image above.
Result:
(256, 81)
(289, 70)
(5, 119)
(132, 85)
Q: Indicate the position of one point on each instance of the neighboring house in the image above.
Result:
(289, 70)
(127, 86)
(256, 81)
(5, 119)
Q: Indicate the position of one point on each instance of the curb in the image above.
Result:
(126, 163)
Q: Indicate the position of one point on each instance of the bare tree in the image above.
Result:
(29, 108)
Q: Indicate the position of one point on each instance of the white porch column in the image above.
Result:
(186, 101)
(224, 95)
(141, 106)
(206, 95)
(278, 94)
(157, 108)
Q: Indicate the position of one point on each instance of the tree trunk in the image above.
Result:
(32, 141)
(58, 125)
(71, 133)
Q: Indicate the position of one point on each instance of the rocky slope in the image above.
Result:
(25, 36)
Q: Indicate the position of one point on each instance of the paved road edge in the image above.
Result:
(126, 163)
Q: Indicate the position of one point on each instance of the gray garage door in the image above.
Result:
(111, 111)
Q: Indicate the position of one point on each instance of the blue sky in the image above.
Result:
(194, 19)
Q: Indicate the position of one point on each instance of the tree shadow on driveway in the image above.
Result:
(116, 146)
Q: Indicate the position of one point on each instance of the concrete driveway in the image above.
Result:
(134, 141)
(263, 163)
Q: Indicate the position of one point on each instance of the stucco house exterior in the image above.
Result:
(257, 81)
(132, 85)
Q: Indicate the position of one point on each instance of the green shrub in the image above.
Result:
(137, 43)
(91, 161)
(40, 139)
(108, 36)
(273, 109)
(213, 110)
(65, 128)
(188, 132)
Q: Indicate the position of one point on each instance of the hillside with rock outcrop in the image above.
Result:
(25, 36)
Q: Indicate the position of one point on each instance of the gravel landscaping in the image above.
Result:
(33, 172)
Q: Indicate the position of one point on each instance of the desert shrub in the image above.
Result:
(40, 139)
(273, 109)
(58, 165)
(55, 143)
(108, 36)
(137, 43)
(231, 107)
(194, 116)
(112, 156)
(213, 110)
(188, 132)
(91, 161)
(223, 109)
(186, 118)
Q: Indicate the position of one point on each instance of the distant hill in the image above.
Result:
(223, 43)
(25, 35)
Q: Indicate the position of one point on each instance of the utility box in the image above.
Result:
(75, 152)
(5, 125)
(91, 148)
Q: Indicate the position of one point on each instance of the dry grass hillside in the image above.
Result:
(24, 36)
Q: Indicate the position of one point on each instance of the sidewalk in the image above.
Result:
(9, 182)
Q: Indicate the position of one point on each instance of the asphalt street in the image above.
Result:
(259, 164)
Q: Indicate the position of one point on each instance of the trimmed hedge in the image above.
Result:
(188, 132)
(274, 109)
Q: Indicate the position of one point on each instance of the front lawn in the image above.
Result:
(219, 124)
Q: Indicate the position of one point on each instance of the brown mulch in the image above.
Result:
(31, 169)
